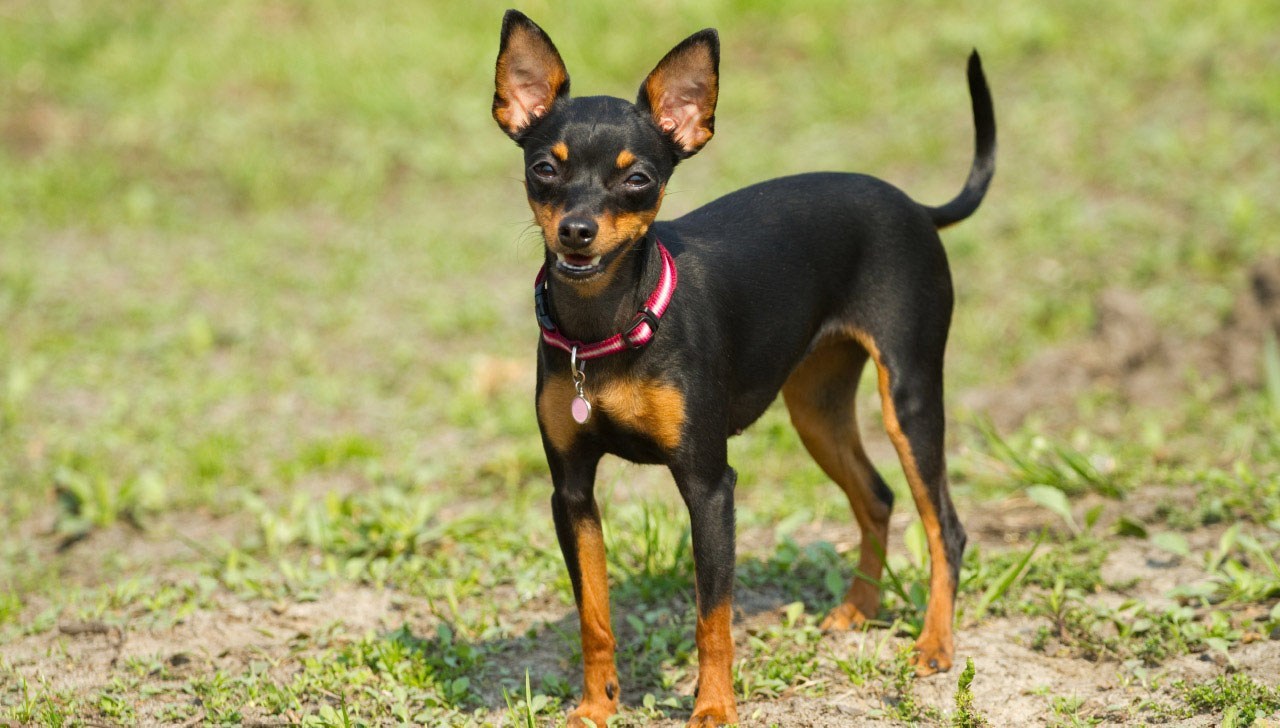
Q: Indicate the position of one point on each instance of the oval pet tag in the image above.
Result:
(580, 409)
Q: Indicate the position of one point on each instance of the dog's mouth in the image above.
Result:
(578, 267)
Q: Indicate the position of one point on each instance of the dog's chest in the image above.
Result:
(620, 406)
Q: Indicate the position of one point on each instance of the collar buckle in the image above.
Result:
(644, 316)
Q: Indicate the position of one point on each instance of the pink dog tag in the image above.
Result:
(580, 409)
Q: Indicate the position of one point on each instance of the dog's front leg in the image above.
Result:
(707, 489)
(573, 505)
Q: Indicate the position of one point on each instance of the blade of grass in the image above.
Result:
(530, 721)
(998, 588)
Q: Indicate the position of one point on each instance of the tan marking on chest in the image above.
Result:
(654, 408)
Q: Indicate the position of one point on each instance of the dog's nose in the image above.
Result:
(577, 232)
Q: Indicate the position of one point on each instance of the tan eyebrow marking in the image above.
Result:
(561, 150)
(624, 160)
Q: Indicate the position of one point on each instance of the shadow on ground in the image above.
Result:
(653, 618)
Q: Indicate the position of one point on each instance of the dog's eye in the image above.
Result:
(637, 181)
(544, 170)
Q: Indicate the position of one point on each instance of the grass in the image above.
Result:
(1239, 699)
(266, 342)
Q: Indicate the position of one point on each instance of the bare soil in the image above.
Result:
(1129, 355)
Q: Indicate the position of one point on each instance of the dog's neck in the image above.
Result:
(589, 313)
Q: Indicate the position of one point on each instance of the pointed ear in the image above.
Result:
(680, 93)
(530, 75)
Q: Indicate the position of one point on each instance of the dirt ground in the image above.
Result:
(1129, 354)
(1014, 682)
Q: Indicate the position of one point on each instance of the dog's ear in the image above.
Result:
(680, 92)
(530, 75)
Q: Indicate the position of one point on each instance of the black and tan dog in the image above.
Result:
(660, 340)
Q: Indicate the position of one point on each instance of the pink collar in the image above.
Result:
(640, 332)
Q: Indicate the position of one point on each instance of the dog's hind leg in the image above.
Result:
(910, 379)
(820, 397)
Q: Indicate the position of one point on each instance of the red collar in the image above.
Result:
(639, 333)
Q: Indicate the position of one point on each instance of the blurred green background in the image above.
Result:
(254, 255)
(234, 230)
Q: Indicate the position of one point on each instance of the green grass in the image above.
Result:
(266, 344)
(1239, 698)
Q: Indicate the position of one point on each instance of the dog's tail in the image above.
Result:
(984, 156)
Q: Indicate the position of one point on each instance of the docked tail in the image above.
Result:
(984, 156)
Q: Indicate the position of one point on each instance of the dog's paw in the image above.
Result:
(595, 714)
(844, 616)
(860, 604)
(708, 716)
(932, 656)
(848, 615)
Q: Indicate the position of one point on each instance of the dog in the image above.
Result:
(660, 340)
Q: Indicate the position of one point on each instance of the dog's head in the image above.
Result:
(596, 166)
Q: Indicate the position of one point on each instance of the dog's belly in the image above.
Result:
(748, 407)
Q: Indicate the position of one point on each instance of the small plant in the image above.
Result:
(902, 677)
(863, 667)
(525, 712)
(86, 502)
(1237, 577)
(1067, 709)
(966, 715)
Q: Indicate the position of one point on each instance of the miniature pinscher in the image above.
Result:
(660, 340)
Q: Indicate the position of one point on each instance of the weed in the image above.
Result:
(905, 705)
(93, 501)
(1001, 585)
(43, 706)
(782, 658)
(1067, 711)
(1239, 696)
(865, 666)
(114, 707)
(966, 715)
(650, 551)
(1036, 461)
(440, 664)
(660, 645)
(1077, 563)
(525, 711)
(1130, 630)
